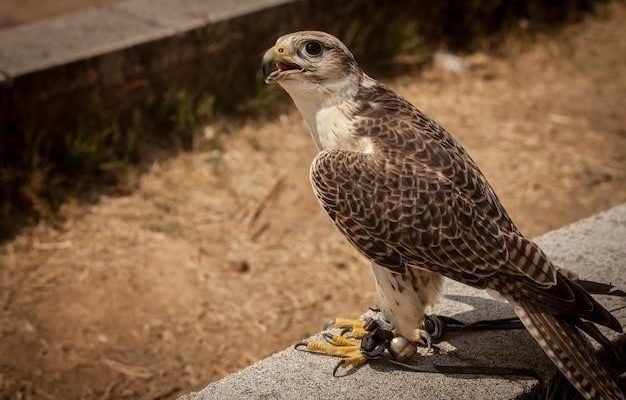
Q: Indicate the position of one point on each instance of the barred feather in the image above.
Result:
(571, 352)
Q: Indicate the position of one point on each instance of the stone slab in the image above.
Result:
(595, 248)
(67, 38)
(183, 15)
(70, 37)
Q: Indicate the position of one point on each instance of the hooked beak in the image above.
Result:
(278, 64)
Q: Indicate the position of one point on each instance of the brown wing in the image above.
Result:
(401, 214)
(415, 216)
(400, 130)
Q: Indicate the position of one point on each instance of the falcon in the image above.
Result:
(408, 196)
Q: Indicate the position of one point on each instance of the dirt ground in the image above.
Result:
(14, 12)
(220, 258)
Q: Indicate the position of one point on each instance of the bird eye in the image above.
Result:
(313, 48)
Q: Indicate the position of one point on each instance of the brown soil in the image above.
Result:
(14, 12)
(222, 257)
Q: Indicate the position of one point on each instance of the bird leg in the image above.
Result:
(356, 341)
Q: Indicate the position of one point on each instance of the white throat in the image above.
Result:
(328, 110)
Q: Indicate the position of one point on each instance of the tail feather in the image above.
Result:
(571, 352)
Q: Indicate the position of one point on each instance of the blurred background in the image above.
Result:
(157, 226)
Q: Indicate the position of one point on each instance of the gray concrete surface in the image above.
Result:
(87, 33)
(595, 248)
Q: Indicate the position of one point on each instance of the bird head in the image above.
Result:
(309, 61)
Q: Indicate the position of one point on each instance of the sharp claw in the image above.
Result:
(300, 346)
(434, 326)
(339, 364)
(345, 331)
(426, 339)
(426, 336)
(329, 324)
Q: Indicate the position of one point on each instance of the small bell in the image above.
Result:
(401, 349)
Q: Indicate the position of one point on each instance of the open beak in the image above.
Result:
(277, 65)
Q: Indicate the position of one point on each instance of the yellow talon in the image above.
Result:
(355, 325)
(323, 347)
(358, 332)
(339, 340)
(346, 347)
(348, 350)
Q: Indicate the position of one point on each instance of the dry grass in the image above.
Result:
(222, 257)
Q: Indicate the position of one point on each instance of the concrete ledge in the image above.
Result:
(595, 248)
(95, 31)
